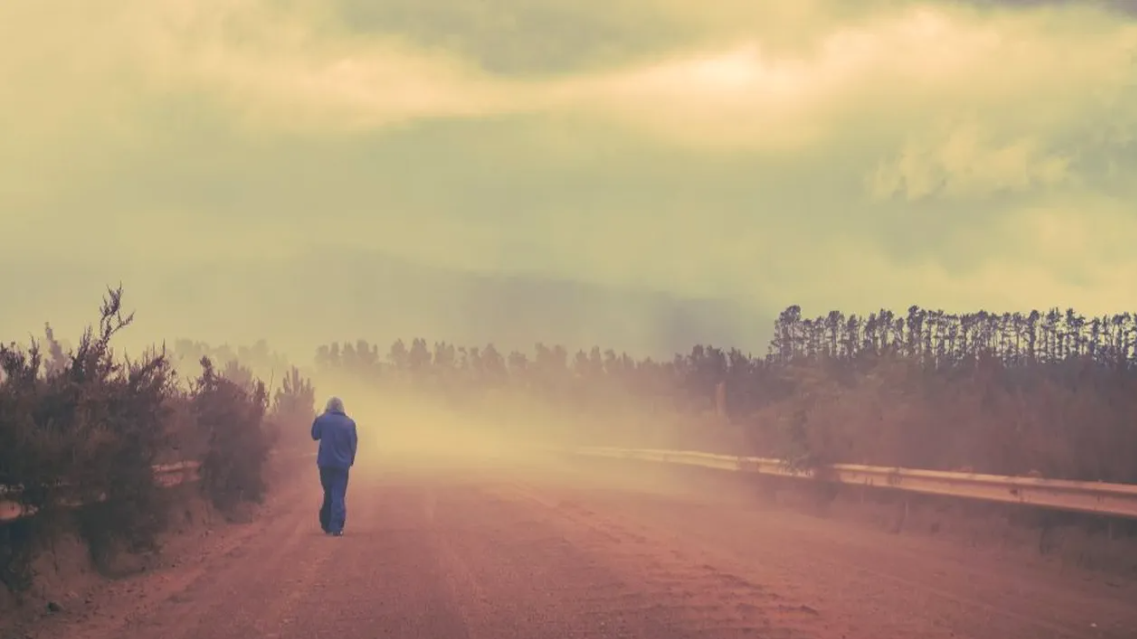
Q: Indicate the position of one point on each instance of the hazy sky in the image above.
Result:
(246, 167)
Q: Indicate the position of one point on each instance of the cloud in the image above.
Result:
(292, 66)
(834, 154)
(962, 161)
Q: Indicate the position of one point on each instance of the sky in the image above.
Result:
(643, 174)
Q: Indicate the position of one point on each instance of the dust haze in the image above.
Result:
(897, 233)
(505, 432)
(638, 175)
(404, 435)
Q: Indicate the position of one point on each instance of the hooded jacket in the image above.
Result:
(338, 440)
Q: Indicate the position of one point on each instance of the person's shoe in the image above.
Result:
(338, 533)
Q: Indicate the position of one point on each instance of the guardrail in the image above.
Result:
(166, 475)
(1100, 498)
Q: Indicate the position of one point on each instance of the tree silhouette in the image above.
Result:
(1050, 392)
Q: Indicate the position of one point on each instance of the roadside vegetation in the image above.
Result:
(82, 430)
(1051, 394)
(1047, 394)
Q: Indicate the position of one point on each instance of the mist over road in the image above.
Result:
(505, 551)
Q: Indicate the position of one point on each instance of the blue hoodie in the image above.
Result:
(336, 433)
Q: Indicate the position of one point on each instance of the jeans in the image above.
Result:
(333, 512)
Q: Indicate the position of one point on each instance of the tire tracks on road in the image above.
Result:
(869, 591)
(702, 597)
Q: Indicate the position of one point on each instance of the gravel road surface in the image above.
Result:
(483, 552)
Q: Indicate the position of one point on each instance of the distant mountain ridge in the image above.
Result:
(300, 303)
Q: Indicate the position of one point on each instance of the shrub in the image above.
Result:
(293, 409)
(87, 430)
(81, 431)
(232, 418)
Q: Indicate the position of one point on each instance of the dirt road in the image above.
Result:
(509, 554)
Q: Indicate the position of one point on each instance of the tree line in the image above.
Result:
(1041, 393)
(1049, 393)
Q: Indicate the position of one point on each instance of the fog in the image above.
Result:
(312, 301)
(267, 178)
(401, 434)
(405, 427)
(641, 175)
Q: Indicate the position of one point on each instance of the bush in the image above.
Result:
(86, 430)
(81, 431)
(232, 418)
(293, 410)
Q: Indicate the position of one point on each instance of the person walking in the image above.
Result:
(338, 442)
